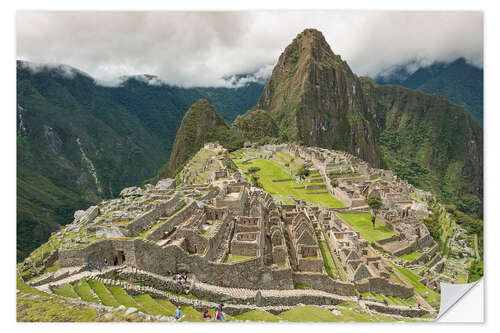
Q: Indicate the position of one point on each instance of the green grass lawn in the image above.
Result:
(327, 260)
(151, 306)
(311, 313)
(349, 305)
(237, 258)
(362, 222)
(419, 288)
(103, 293)
(337, 264)
(167, 305)
(392, 300)
(66, 291)
(82, 288)
(300, 286)
(192, 315)
(411, 256)
(258, 315)
(270, 170)
(122, 297)
(308, 313)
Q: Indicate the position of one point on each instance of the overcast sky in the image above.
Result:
(200, 48)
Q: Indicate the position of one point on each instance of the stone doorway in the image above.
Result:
(118, 258)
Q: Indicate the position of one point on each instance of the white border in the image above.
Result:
(492, 112)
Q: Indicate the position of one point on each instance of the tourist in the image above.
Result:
(178, 313)
(90, 266)
(99, 266)
(185, 277)
(385, 302)
(221, 313)
(105, 263)
(217, 315)
(419, 306)
(206, 315)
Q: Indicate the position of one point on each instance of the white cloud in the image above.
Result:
(203, 48)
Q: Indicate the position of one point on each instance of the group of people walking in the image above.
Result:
(99, 266)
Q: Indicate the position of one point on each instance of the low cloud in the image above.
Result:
(212, 48)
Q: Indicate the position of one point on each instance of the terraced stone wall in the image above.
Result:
(325, 283)
(383, 286)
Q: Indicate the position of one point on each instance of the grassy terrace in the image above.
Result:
(391, 299)
(311, 313)
(84, 291)
(411, 256)
(270, 170)
(52, 308)
(362, 222)
(122, 297)
(103, 293)
(336, 261)
(327, 260)
(258, 315)
(413, 279)
(66, 291)
(235, 258)
(151, 306)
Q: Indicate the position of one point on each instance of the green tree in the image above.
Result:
(303, 172)
(253, 169)
(375, 204)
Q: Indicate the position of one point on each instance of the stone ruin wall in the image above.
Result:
(325, 283)
(310, 265)
(383, 286)
(173, 221)
(218, 237)
(245, 274)
(245, 248)
(97, 252)
(149, 218)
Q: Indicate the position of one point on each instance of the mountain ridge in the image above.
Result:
(457, 81)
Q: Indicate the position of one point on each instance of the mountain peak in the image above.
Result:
(316, 96)
(201, 124)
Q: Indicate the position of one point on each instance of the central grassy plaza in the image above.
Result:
(271, 170)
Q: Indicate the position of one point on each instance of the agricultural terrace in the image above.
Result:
(427, 294)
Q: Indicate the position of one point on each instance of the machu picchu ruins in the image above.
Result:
(266, 227)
